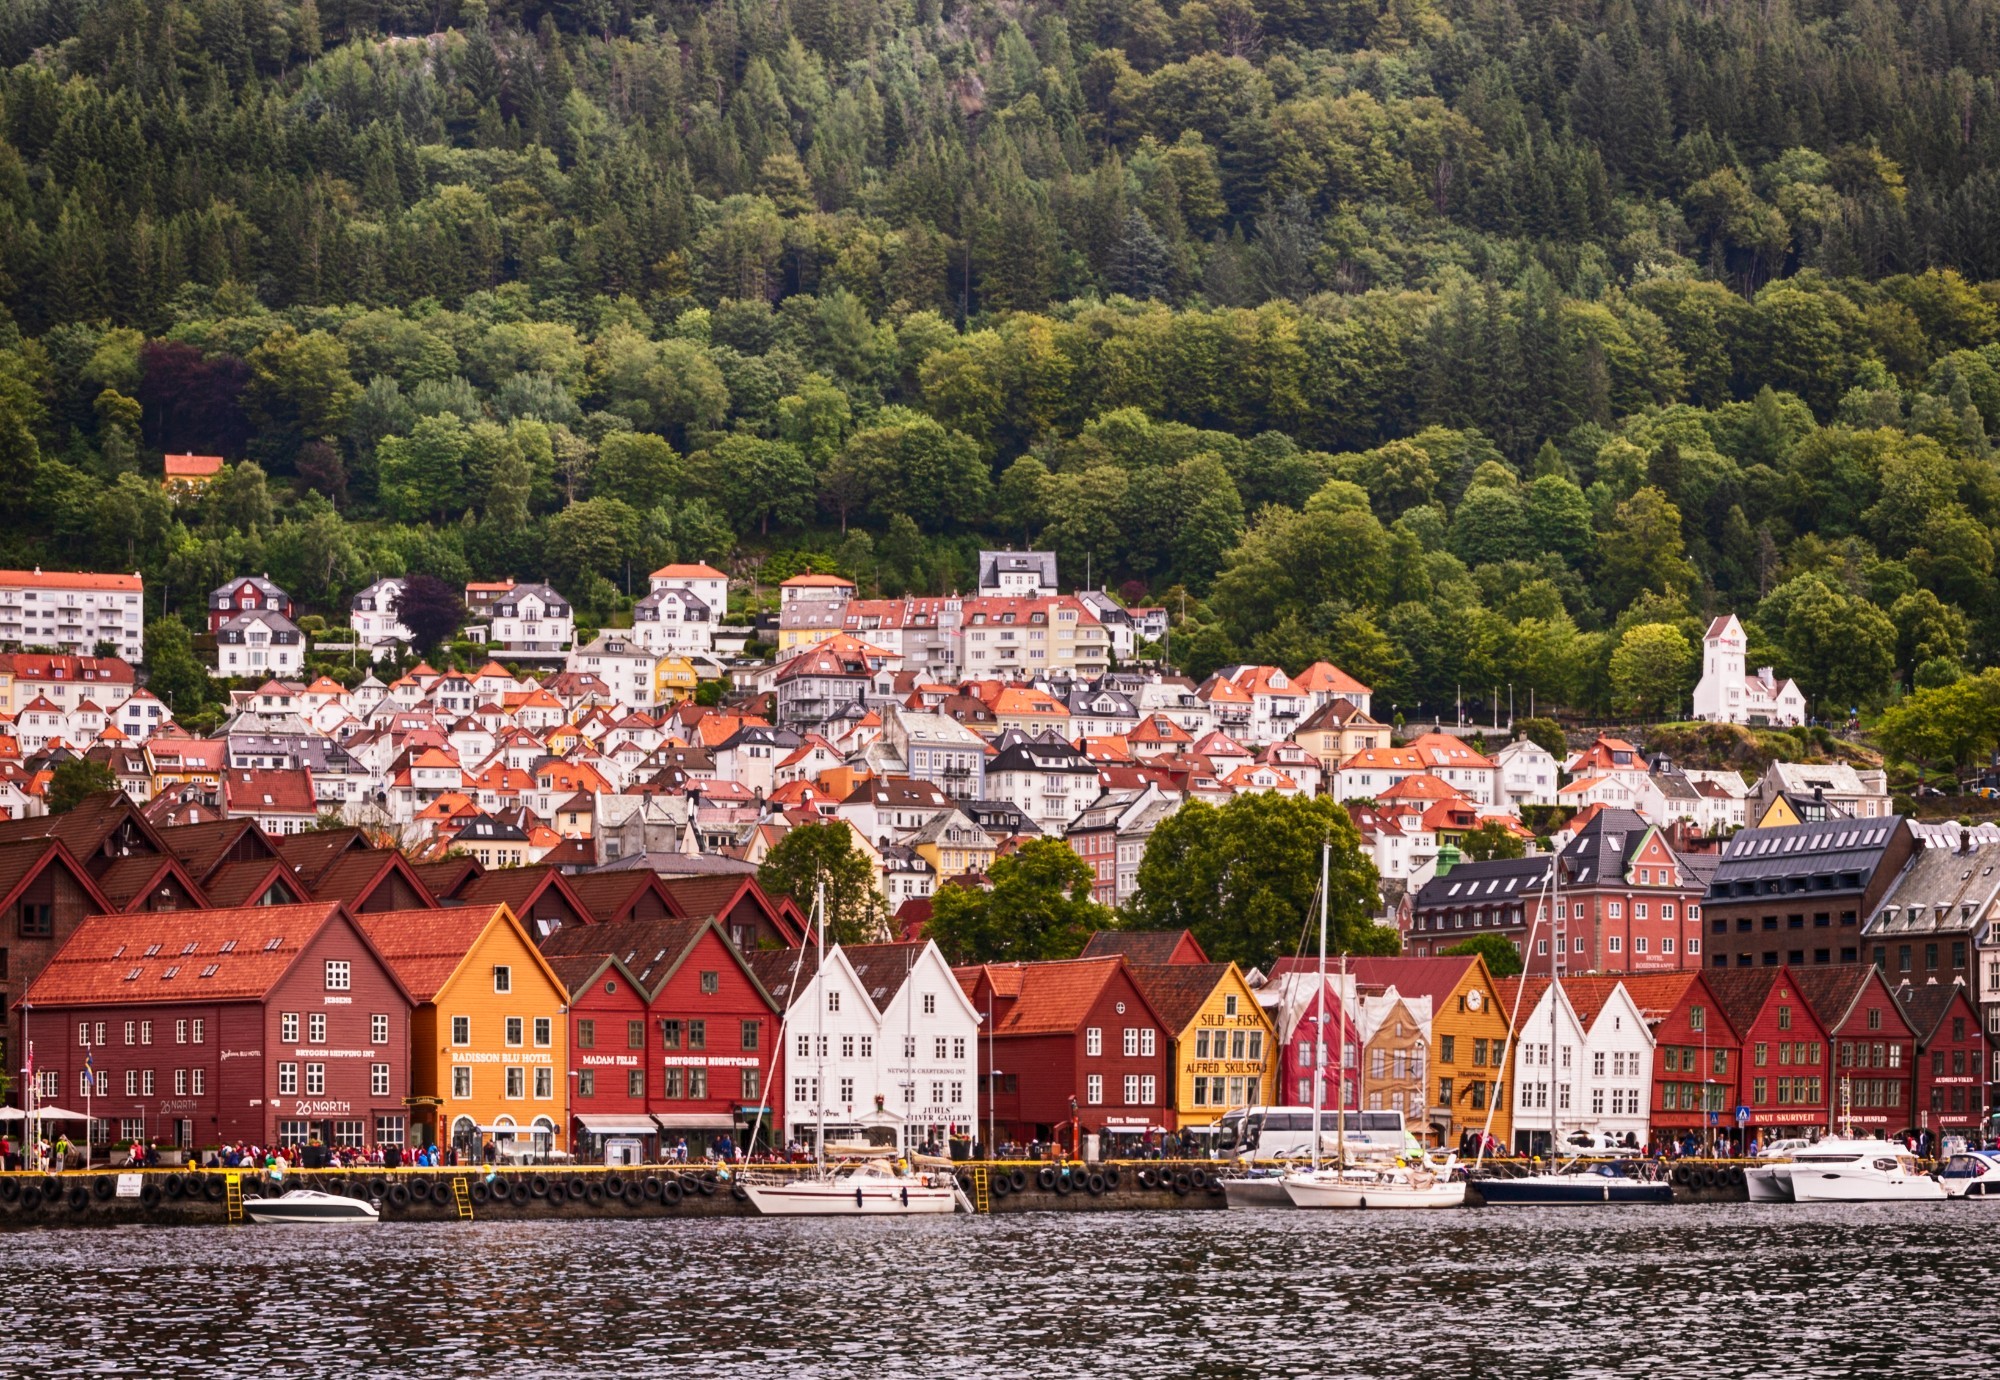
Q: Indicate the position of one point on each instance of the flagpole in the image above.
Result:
(89, 1086)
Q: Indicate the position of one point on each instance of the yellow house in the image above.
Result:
(488, 1040)
(1225, 1049)
(674, 678)
(953, 845)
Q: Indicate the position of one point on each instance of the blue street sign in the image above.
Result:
(1742, 1116)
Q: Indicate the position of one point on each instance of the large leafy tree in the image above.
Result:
(1039, 907)
(1652, 671)
(1243, 878)
(812, 856)
(431, 609)
(75, 781)
(1502, 958)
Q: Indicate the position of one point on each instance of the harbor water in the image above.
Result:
(1793, 1291)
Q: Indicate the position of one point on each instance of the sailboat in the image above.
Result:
(1392, 1184)
(860, 1180)
(1575, 1182)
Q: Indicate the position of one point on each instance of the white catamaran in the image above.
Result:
(859, 1180)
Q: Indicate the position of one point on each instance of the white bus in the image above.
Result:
(1282, 1133)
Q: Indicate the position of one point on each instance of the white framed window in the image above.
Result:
(378, 1029)
(288, 1080)
(461, 1030)
(1146, 1045)
(1093, 1041)
(544, 1032)
(1131, 1089)
(378, 1080)
(288, 1027)
(1131, 1042)
(316, 1028)
(503, 978)
(200, 1081)
(315, 1080)
(461, 1080)
(1616, 943)
(1093, 1089)
(514, 1030)
(1148, 1089)
(198, 1027)
(339, 974)
(517, 1082)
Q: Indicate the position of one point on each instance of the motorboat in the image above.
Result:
(310, 1207)
(1767, 1184)
(1390, 1184)
(870, 1187)
(1839, 1170)
(1576, 1185)
(1256, 1188)
(1973, 1175)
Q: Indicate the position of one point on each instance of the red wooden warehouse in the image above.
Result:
(1951, 1053)
(1072, 1041)
(1696, 1057)
(1874, 1048)
(709, 1046)
(268, 1025)
(1786, 1076)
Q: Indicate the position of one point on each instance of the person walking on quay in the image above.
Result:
(61, 1161)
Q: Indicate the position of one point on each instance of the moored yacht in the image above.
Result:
(1844, 1170)
(1425, 1183)
(1576, 1185)
(1973, 1175)
(308, 1206)
(870, 1187)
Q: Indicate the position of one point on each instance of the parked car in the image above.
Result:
(1598, 1143)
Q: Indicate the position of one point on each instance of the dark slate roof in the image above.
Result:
(1939, 891)
(1478, 883)
(1177, 990)
(1924, 1007)
(650, 948)
(1603, 847)
(775, 968)
(882, 968)
(1790, 857)
(1148, 948)
(1040, 755)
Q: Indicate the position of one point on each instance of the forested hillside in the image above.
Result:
(1466, 344)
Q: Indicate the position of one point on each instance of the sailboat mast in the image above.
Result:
(1319, 1081)
(1340, 1108)
(1555, 992)
(819, 1029)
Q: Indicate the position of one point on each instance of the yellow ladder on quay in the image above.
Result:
(232, 1187)
(980, 1197)
(461, 1193)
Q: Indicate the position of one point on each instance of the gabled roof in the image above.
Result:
(1177, 991)
(426, 948)
(249, 950)
(1924, 1008)
(883, 968)
(519, 888)
(607, 896)
(203, 848)
(130, 882)
(314, 851)
(24, 860)
(1056, 997)
(1743, 992)
(447, 877)
(241, 883)
(1146, 947)
(652, 949)
(1436, 978)
(356, 876)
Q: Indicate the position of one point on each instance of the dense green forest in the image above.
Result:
(1470, 344)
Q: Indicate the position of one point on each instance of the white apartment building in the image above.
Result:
(621, 663)
(1528, 774)
(73, 611)
(376, 627)
(1592, 1070)
(532, 621)
(259, 644)
(1725, 695)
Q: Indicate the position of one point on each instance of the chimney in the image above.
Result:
(1964, 840)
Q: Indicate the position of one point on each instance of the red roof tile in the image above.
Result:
(127, 958)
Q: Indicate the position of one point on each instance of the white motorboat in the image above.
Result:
(1841, 1170)
(863, 1188)
(310, 1207)
(1973, 1175)
(1767, 1184)
(1427, 1183)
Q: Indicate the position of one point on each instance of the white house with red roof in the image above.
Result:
(73, 610)
(1451, 759)
(281, 801)
(1726, 695)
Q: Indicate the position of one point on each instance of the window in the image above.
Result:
(930, 1003)
(1131, 1089)
(1093, 1089)
(199, 1081)
(316, 1028)
(545, 1082)
(339, 974)
(1093, 1041)
(315, 1080)
(751, 1031)
(1448, 1050)
(514, 1030)
(461, 1080)
(461, 1030)
(586, 1034)
(750, 1086)
(545, 1032)
(711, 983)
(1131, 1043)
(180, 1032)
(697, 1034)
(833, 1001)
(197, 1026)
(1146, 1042)
(288, 1080)
(517, 1082)
(586, 1083)
(635, 1083)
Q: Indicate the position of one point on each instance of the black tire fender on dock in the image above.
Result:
(1145, 1177)
(1734, 1175)
(558, 1194)
(104, 1187)
(1046, 1176)
(173, 1185)
(1113, 1175)
(614, 1185)
(1094, 1185)
(1183, 1183)
(538, 1185)
(480, 1193)
(577, 1187)
(31, 1197)
(10, 1190)
(79, 1198)
(650, 1187)
(378, 1186)
(1018, 1180)
(671, 1192)
(214, 1188)
(1198, 1177)
(1708, 1178)
(501, 1190)
(705, 1185)
(1065, 1183)
(597, 1193)
(149, 1196)
(420, 1189)
(398, 1195)
(999, 1185)
(739, 1193)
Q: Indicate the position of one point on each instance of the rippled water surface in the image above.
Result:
(1699, 1291)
